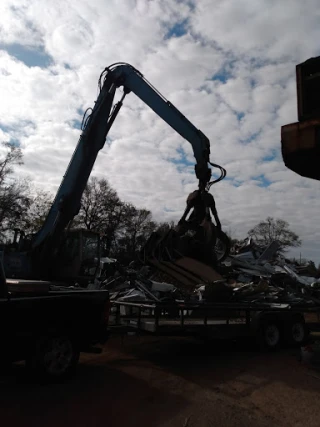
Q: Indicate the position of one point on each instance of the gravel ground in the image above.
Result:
(169, 382)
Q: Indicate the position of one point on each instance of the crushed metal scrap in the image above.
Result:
(248, 274)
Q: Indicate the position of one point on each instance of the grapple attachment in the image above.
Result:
(171, 246)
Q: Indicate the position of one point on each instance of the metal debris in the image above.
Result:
(250, 274)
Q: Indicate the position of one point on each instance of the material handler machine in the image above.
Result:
(55, 253)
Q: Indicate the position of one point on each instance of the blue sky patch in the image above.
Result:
(182, 162)
(222, 76)
(30, 57)
(262, 181)
(270, 157)
(179, 29)
(226, 71)
(12, 140)
(251, 138)
(15, 130)
(76, 123)
(22, 124)
(235, 182)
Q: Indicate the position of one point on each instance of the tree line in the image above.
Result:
(269, 230)
(123, 227)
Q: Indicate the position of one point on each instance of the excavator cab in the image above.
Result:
(78, 257)
(75, 261)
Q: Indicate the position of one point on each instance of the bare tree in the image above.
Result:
(12, 157)
(164, 227)
(135, 231)
(40, 203)
(122, 227)
(274, 229)
(14, 192)
(102, 211)
(115, 226)
(98, 203)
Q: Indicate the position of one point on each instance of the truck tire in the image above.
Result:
(269, 334)
(296, 331)
(53, 357)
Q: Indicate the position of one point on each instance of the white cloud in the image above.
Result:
(232, 74)
(260, 29)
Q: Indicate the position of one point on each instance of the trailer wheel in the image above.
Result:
(53, 357)
(296, 332)
(269, 335)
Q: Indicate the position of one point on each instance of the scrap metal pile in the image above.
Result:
(248, 274)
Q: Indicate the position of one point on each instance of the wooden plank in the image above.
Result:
(182, 271)
(181, 279)
(204, 271)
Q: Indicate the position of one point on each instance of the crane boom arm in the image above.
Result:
(134, 81)
(96, 127)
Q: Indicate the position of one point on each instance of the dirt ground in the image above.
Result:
(169, 382)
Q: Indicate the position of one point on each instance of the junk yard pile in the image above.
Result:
(253, 292)
(187, 279)
(248, 274)
(175, 268)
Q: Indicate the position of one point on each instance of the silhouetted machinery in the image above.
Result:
(300, 142)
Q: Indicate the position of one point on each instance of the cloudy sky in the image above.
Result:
(228, 65)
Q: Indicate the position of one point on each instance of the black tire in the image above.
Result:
(296, 332)
(53, 357)
(222, 246)
(269, 335)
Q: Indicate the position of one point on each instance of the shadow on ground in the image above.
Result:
(148, 381)
(213, 365)
(98, 395)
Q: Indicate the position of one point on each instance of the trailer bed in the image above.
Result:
(220, 319)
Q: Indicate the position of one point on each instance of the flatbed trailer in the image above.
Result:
(268, 323)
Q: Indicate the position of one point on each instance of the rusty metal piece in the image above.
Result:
(180, 278)
(187, 272)
(206, 273)
(300, 146)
